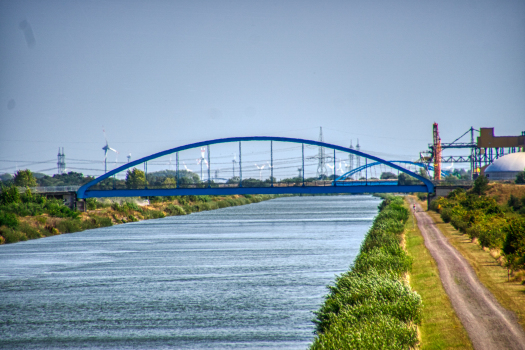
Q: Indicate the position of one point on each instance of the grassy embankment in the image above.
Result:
(488, 262)
(30, 218)
(372, 306)
(440, 327)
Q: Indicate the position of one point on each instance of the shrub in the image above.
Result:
(481, 185)
(378, 332)
(369, 307)
(9, 195)
(520, 178)
(69, 225)
(390, 259)
(514, 244)
(9, 220)
(91, 203)
(30, 231)
(95, 221)
(446, 215)
(12, 236)
(173, 209)
(515, 203)
(153, 214)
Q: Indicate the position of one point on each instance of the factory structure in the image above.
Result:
(498, 157)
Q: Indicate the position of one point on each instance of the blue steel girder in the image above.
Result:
(363, 167)
(81, 193)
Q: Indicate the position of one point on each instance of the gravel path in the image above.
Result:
(488, 324)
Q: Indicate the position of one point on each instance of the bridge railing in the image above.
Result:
(49, 189)
(449, 182)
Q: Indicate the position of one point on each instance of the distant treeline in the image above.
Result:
(494, 226)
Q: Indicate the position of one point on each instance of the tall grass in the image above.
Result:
(370, 307)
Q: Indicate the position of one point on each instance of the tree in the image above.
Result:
(135, 179)
(169, 182)
(520, 178)
(514, 245)
(481, 185)
(24, 178)
(388, 175)
(404, 179)
(9, 195)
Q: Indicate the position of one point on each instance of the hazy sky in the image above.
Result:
(159, 74)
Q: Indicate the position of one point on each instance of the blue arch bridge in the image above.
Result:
(327, 155)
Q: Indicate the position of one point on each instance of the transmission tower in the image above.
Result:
(61, 164)
(321, 165)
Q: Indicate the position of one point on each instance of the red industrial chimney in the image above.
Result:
(437, 153)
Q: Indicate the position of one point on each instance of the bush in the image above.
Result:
(11, 235)
(9, 220)
(69, 225)
(378, 332)
(369, 307)
(481, 185)
(96, 222)
(514, 244)
(366, 295)
(520, 178)
(9, 195)
(446, 215)
(390, 259)
(30, 231)
(173, 209)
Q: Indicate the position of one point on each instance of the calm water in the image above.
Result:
(244, 277)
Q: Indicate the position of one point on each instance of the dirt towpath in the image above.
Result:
(487, 323)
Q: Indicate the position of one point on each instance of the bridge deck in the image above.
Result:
(253, 190)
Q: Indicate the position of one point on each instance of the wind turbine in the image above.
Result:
(202, 159)
(106, 148)
(340, 167)
(185, 167)
(331, 168)
(260, 171)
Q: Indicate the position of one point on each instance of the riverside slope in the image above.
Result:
(488, 324)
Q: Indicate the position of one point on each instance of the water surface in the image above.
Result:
(244, 277)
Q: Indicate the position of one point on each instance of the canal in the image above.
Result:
(245, 277)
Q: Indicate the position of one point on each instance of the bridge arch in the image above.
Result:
(369, 165)
(83, 192)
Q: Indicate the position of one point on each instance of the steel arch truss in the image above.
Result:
(85, 192)
(369, 165)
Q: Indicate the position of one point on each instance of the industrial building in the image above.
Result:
(506, 167)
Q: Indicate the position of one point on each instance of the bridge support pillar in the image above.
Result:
(81, 205)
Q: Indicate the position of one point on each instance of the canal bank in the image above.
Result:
(32, 217)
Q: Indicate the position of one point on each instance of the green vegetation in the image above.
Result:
(370, 306)
(29, 216)
(135, 178)
(495, 226)
(24, 178)
(520, 178)
(38, 179)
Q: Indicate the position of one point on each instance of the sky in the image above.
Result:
(159, 74)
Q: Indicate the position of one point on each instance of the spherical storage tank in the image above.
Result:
(506, 167)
